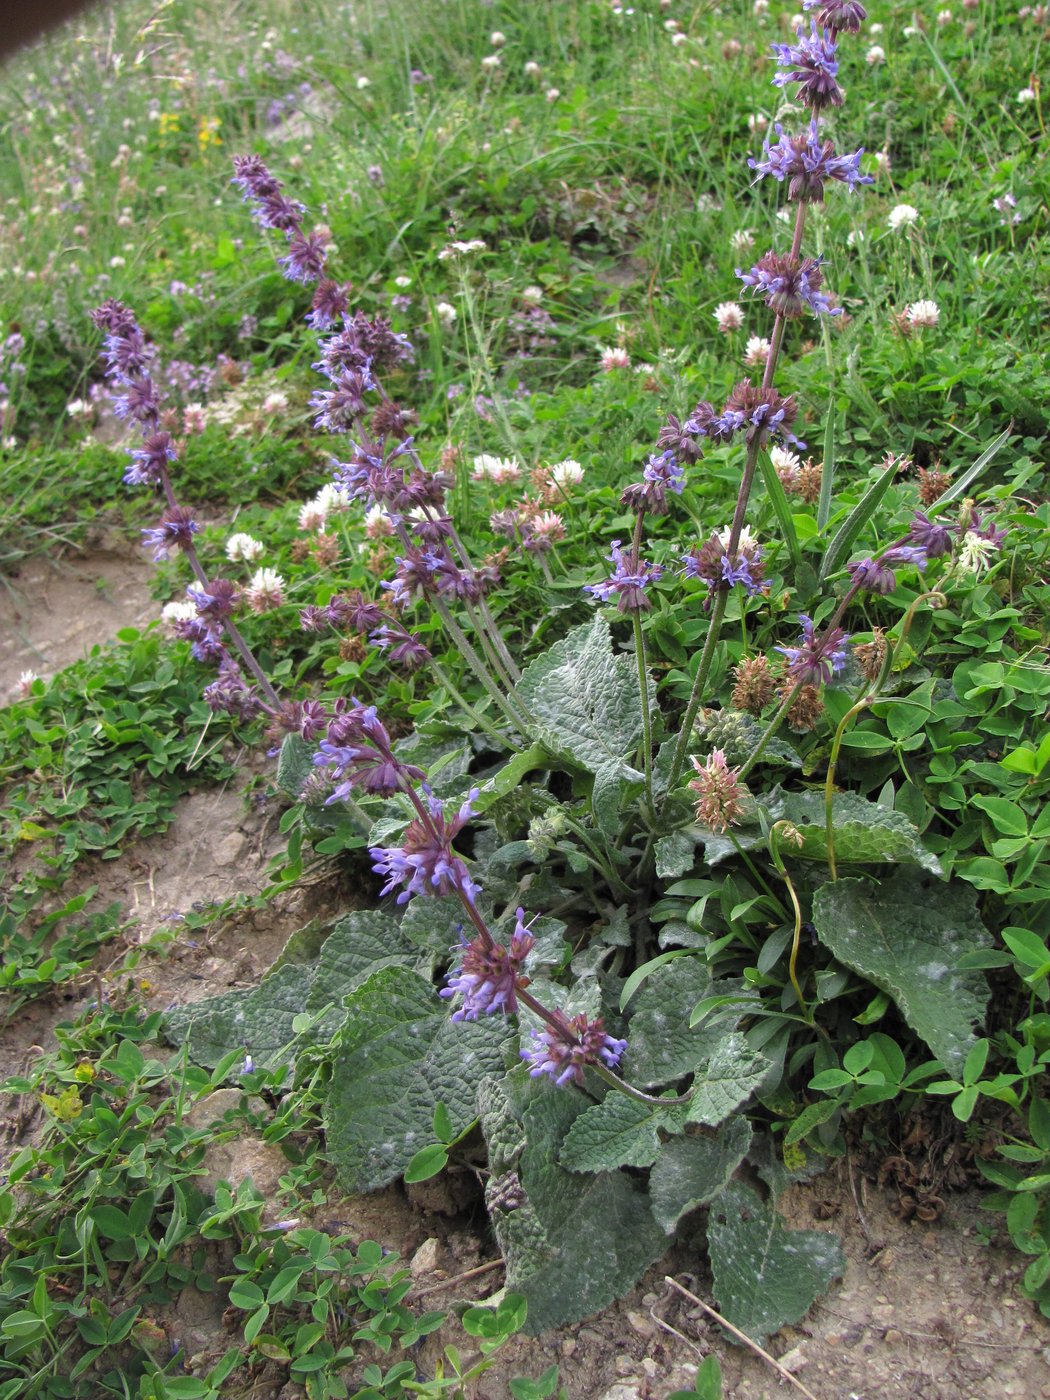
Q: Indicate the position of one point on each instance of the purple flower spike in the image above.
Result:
(175, 531)
(934, 539)
(789, 285)
(305, 259)
(807, 163)
(489, 976)
(872, 575)
(630, 578)
(425, 862)
(563, 1053)
(812, 64)
(816, 660)
(838, 16)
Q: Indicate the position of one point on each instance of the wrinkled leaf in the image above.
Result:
(618, 1132)
(766, 1276)
(690, 1171)
(396, 1058)
(906, 935)
(729, 1076)
(660, 1045)
(258, 1021)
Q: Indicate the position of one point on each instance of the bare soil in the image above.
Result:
(926, 1311)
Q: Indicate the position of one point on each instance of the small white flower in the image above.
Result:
(548, 525)
(679, 39)
(363, 83)
(923, 313)
(672, 26)
(246, 547)
(901, 215)
(760, 7)
(311, 516)
(265, 591)
(118, 261)
(1026, 94)
(552, 94)
(742, 241)
(275, 402)
(882, 159)
(177, 611)
(614, 357)
(402, 282)
(746, 544)
(194, 418)
(497, 39)
(25, 684)
(875, 30)
(783, 460)
(378, 524)
(445, 313)
(756, 351)
(332, 499)
(976, 553)
(729, 315)
(498, 469)
(566, 474)
(944, 17)
(757, 121)
(491, 61)
(532, 69)
(532, 295)
(855, 237)
(875, 55)
(79, 408)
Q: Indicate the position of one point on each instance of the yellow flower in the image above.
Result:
(208, 133)
(168, 124)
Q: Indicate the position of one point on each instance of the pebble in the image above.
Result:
(425, 1259)
(650, 1368)
(794, 1360)
(892, 1336)
(228, 850)
(622, 1391)
(568, 1346)
(644, 1326)
(624, 1365)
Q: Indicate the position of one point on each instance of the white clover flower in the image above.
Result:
(783, 460)
(446, 313)
(679, 39)
(1026, 94)
(875, 30)
(742, 241)
(757, 121)
(875, 55)
(118, 261)
(729, 315)
(402, 282)
(532, 295)
(923, 313)
(194, 418)
(976, 553)
(498, 469)
(548, 525)
(672, 26)
(497, 39)
(265, 590)
(532, 69)
(275, 402)
(747, 543)
(614, 357)
(855, 237)
(311, 516)
(756, 352)
(332, 499)
(25, 684)
(363, 83)
(901, 215)
(246, 547)
(80, 408)
(378, 524)
(566, 474)
(460, 249)
(552, 94)
(491, 61)
(944, 17)
(177, 611)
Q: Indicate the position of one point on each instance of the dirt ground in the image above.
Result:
(926, 1311)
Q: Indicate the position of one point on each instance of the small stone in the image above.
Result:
(794, 1360)
(215, 1106)
(624, 1365)
(228, 850)
(425, 1259)
(568, 1346)
(892, 1336)
(644, 1326)
(623, 1392)
(649, 1300)
(650, 1367)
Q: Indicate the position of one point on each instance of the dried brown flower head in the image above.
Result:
(755, 686)
(871, 655)
(932, 485)
(806, 710)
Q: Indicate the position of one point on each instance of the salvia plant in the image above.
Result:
(635, 934)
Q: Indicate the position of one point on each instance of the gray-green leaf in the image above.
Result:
(584, 700)
(906, 935)
(396, 1058)
(690, 1171)
(766, 1276)
(729, 1076)
(618, 1132)
(661, 1047)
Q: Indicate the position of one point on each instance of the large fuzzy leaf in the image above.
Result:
(660, 1046)
(906, 935)
(572, 1242)
(729, 1075)
(618, 1132)
(584, 700)
(258, 1021)
(766, 1276)
(397, 1056)
(690, 1171)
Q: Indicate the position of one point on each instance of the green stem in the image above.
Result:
(621, 1086)
(796, 937)
(770, 730)
(647, 722)
(468, 709)
(702, 671)
(476, 664)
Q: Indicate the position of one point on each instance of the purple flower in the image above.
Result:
(305, 259)
(681, 439)
(873, 575)
(662, 473)
(562, 1053)
(206, 641)
(406, 649)
(711, 563)
(789, 285)
(816, 659)
(175, 531)
(338, 408)
(629, 579)
(489, 975)
(215, 600)
(416, 575)
(331, 300)
(812, 64)
(807, 163)
(141, 402)
(838, 15)
(230, 694)
(425, 862)
(934, 539)
(149, 461)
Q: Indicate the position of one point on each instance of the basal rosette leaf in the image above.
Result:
(906, 935)
(661, 1046)
(398, 1056)
(690, 1171)
(766, 1276)
(618, 1132)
